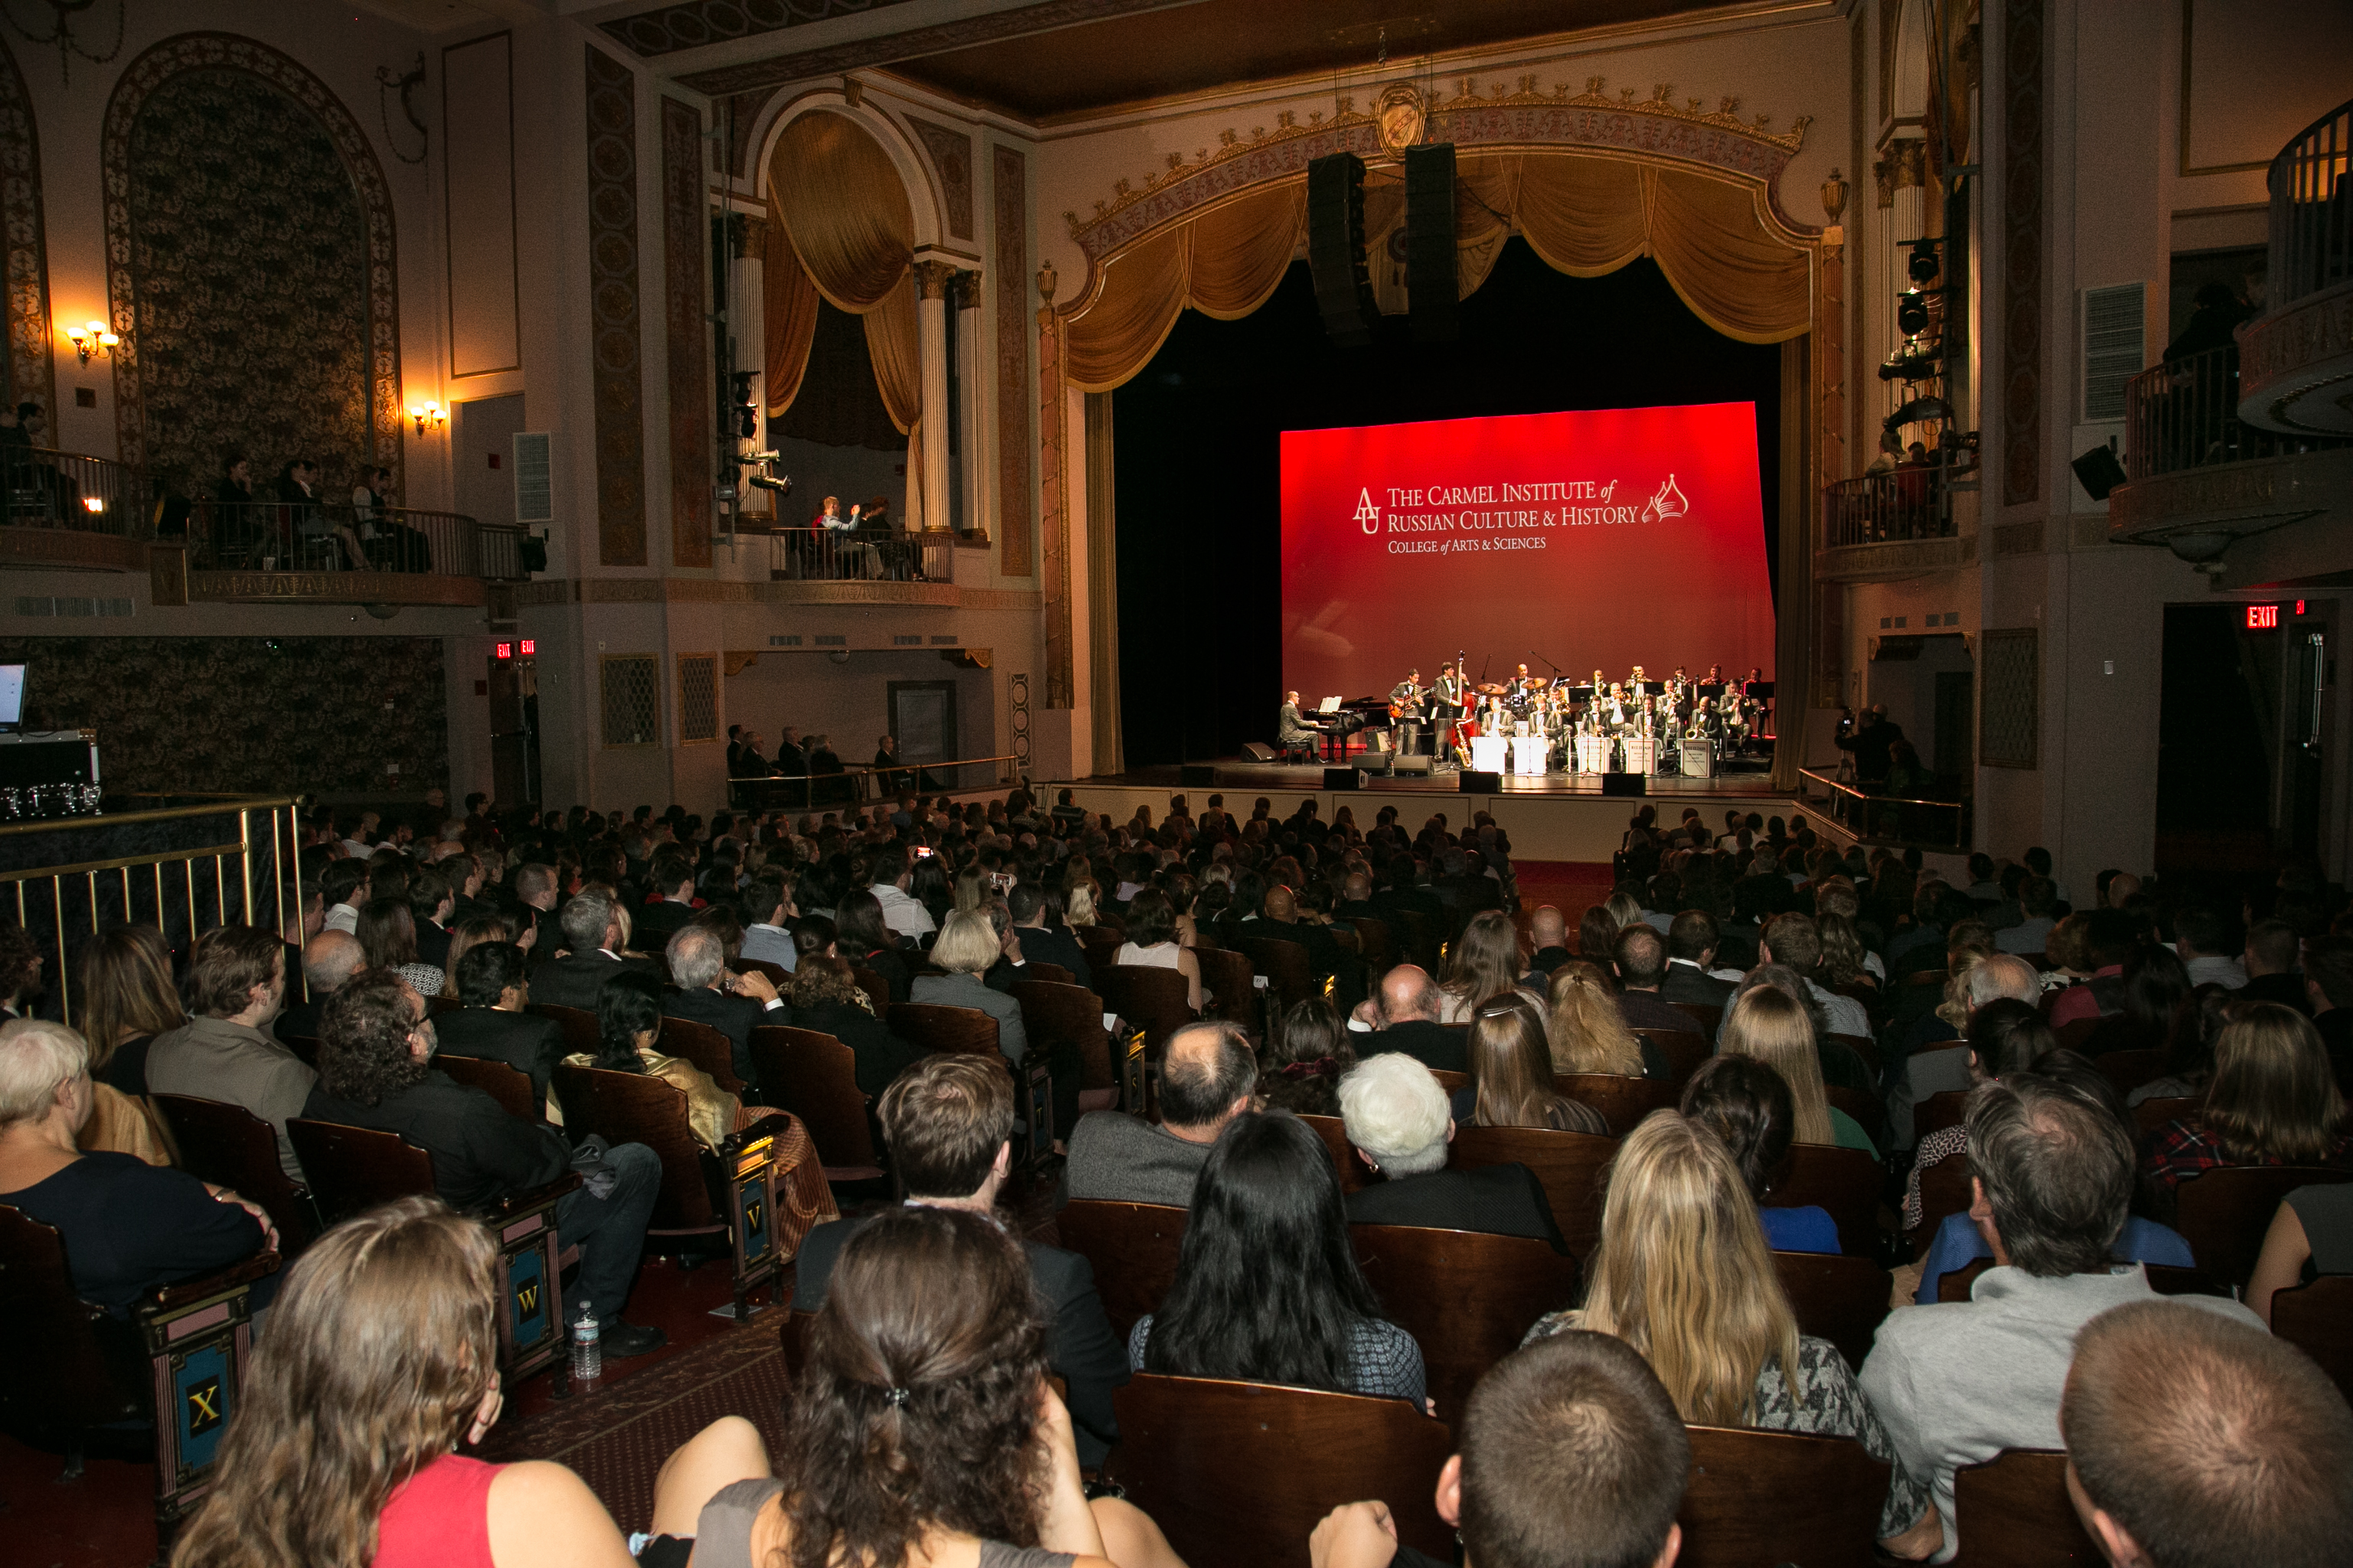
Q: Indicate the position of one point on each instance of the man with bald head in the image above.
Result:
(1356, 897)
(1326, 960)
(1404, 1017)
(1548, 934)
(1208, 1075)
(329, 961)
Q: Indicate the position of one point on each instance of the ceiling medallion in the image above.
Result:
(1401, 116)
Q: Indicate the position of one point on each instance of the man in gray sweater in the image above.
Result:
(1958, 1383)
(1209, 1076)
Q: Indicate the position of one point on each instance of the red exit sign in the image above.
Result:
(2263, 618)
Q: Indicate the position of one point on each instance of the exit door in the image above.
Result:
(514, 729)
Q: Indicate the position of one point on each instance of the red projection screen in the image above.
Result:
(1605, 538)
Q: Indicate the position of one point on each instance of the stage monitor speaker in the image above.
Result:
(1624, 784)
(2098, 472)
(1416, 766)
(1197, 775)
(1377, 763)
(1258, 750)
(1429, 266)
(1336, 248)
(1471, 781)
(1343, 778)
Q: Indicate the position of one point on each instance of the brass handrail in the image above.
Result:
(1843, 788)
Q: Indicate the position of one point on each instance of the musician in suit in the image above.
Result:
(1291, 732)
(592, 935)
(1398, 1123)
(1405, 705)
(1446, 707)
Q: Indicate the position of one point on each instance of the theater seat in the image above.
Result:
(1765, 1498)
(2013, 1510)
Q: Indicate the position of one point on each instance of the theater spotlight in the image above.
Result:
(1912, 313)
(1924, 266)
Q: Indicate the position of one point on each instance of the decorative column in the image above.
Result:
(747, 324)
(932, 279)
(971, 427)
(1053, 494)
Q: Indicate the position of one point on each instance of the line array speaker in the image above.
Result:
(1336, 248)
(1429, 276)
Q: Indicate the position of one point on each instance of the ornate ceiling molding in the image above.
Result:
(967, 32)
(1503, 119)
(694, 22)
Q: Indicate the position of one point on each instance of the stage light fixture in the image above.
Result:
(1924, 265)
(1912, 313)
(1920, 411)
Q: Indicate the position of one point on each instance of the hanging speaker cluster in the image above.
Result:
(1430, 277)
(1336, 248)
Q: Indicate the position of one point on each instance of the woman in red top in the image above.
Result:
(381, 1354)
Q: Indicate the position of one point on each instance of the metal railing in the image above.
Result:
(48, 488)
(2185, 414)
(868, 554)
(1891, 818)
(865, 783)
(183, 869)
(1881, 508)
(335, 536)
(2312, 210)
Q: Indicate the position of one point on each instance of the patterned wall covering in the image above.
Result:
(250, 247)
(247, 714)
(31, 376)
(686, 253)
(617, 347)
(2021, 255)
(1015, 555)
(951, 155)
(699, 22)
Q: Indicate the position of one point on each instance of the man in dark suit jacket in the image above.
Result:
(329, 961)
(669, 904)
(1691, 954)
(1640, 956)
(948, 1124)
(1325, 957)
(1549, 933)
(1040, 943)
(592, 934)
(1398, 1122)
(495, 984)
(1404, 1018)
(532, 909)
(734, 1004)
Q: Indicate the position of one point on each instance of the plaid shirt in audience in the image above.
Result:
(2187, 1148)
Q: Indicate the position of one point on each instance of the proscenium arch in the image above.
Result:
(231, 51)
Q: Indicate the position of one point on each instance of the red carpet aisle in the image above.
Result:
(1570, 886)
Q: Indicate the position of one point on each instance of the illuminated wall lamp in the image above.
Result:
(93, 504)
(91, 338)
(424, 414)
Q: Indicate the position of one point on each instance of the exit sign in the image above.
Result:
(530, 647)
(506, 649)
(2263, 618)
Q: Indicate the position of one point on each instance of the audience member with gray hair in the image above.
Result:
(1209, 1076)
(1399, 1125)
(2001, 976)
(592, 952)
(707, 994)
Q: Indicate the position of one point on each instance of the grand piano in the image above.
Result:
(1347, 720)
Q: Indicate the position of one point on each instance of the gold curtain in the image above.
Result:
(1584, 215)
(841, 198)
(897, 353)
(788, 315)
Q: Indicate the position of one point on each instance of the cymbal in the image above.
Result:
(1488, 688)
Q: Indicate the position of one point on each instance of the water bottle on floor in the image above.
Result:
(587, 1356)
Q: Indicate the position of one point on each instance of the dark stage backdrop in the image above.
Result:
(1199, 440)
(1510, 540)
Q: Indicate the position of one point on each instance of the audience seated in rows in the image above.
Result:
(1404, 1017)
(1769, 1025)
(329, 961)
(708, 993)
(1749, 1109)
(1209, 1076)
(1398, 1122)
(2006, 1036)
(1927, 1072)
(593, 938)
(968, 946)
(1639, 957)
(1588, 1034)
(234, 986)
(494, 984)
(375, 1071)
(1306, 1054)
(628, 1032)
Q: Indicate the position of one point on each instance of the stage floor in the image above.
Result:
(1754, 782)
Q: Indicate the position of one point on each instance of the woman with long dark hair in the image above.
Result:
(1748, 1107)
(629, 1039)
(1485, 961)
(867, 943)
(1306, 1054)
(387, 934)
(1267, 1287)
(1151, 942)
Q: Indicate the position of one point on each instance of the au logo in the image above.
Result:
(1368, 516)
(204, 1410)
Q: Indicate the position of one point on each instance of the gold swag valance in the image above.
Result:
(1584, 215)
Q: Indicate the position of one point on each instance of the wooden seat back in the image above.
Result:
(2013, 1510)
(1063, 1018)
(1238, 1474)
(1941, 1110)
(353, 1169)
(1228, 986)
(1835, 1298)
(636, 1108)
(1147, 996)
(2128, 1070)
(1335, 1132)
(57, 1370)
(1099, 942)
(1133, 1249)
(1377, 943)
(2318, 1319)
(1572, 1167)
(1622, 1101)
(1709, 1018)
(1050, 973)
(2150, 1115)
(578, 1024)
(776, 974)
(2225, 1213)
(1420, 939)
(1466, 1296)
(437, 1006)
(1684, 1052)
(962, 1031)
(303, 1046)
(1944, 1191)
(1289, 977)
(1863, 1046)
(229, 1146)
(814, 1075)
(510, 1086)
(1845, 1182)
(1450, 1080)
(1758, 1497)
(706, 1048)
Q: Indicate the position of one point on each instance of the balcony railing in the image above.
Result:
(1880, 817)
(48, 489)
(862, 554)
(2312, 210)
(856, 784)
(333, 536)
(2185, 414)
(1884, 508)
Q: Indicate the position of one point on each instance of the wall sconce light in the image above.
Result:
(424, 414)
(91, 338)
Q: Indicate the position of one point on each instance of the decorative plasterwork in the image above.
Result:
(2021, 226)
(2295, 365)
(227, 51)
(1503, 119)
(1010, 187)
(686, 249)
(71, 550)
(968, 32)
(32, 374)
(951, 155)
(416, 588)
(616, 347)
(1894, 562)
(2234, 498)
(695, 23)
(728, 591)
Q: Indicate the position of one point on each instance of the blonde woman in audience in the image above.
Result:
(924, 1433)
(1485, 961)
(1684, 1275)
(1772, 1026)
(1585, 1028)
(972, 888)
(2272, 1100)
(1511, 1073)
(1624, 909)
(381, 1357)
(1079, 903)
